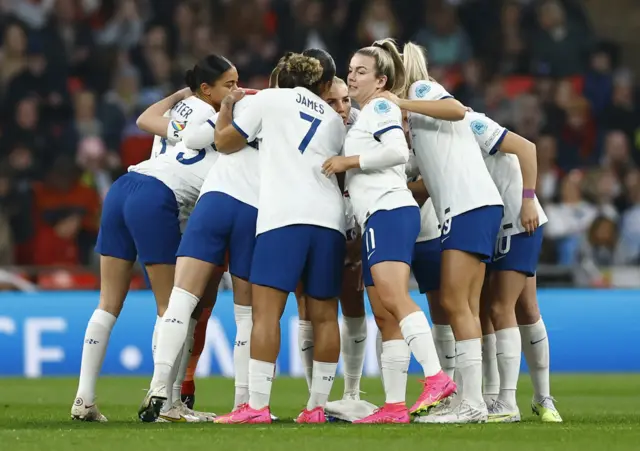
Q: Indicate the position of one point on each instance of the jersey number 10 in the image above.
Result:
(313, 128)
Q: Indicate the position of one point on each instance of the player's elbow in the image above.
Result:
(142, 123)
(192, 140)
(458, 111)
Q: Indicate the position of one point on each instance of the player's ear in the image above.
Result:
(381, 82)
(205, 89)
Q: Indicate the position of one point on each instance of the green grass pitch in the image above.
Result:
(601, 412)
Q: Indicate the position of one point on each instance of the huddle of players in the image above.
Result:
(280, 215)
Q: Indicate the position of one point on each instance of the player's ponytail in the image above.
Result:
(395, 83)
(415, 63)
(207, 71)
(300, 71)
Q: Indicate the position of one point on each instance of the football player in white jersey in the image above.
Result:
(141, 220)
(469, 210)
(514, 263)
(354, 323)
(300, 227)
(222, 222)
(376, 152)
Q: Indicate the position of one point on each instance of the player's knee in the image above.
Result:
(527, 312)
(500, 308)
(111, 306)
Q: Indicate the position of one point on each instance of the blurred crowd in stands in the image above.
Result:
(74, 75)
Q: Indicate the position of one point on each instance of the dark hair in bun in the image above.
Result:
(326, 61)
(208, 70)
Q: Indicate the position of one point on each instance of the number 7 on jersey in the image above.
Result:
(315, 123)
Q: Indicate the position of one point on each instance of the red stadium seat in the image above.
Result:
(135, 149)
(516, 85)
(66, 280)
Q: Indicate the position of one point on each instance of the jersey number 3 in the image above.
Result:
(315, 123)
(180, 157)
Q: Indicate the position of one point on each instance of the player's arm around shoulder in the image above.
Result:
(430, 99)
(153, 119)
(232, 134)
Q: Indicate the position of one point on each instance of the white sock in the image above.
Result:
(535, 345)
(379, 348)
(242, 352)
(260, 380)
(469, 370)
(395, 359)
(172, 335)
(96, 339)
(445, 343)
(509, 349)
(379, 354)
(154, 338)
(305, 346)
(417, 333)
(353, 340)
(187, 349)
(323, 376)
(490, 374)
(173, 375)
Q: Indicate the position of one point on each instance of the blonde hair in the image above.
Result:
(414, 58)
(388, 63)
(340, 81)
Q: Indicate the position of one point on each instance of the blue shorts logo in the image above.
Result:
(478, 127)
(382, 107)
(422, 90)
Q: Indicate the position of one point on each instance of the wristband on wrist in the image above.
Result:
(528, 193)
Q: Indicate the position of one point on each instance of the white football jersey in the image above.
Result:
(429, 227)
(374, 190)
(449, 159)
(192, 110)
(505, 172)
(351, 225)
(183, 170)
(299, 131)
(236, 174)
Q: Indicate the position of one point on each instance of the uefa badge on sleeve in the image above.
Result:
(478, 127)
(422, 90)
(382, 107)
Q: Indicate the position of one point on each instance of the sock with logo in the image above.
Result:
(172, 335)
(305, 346)
(395, 360)
(469, 370)
(490, 373)
(445, 343)
(535, 345)
(323, 376)
(241, 353)
(200, 336)
(96, 339)
(184, 359)
(260, 380)
(353, 340)
(417, 333)
(154, 337)
(508, 349)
